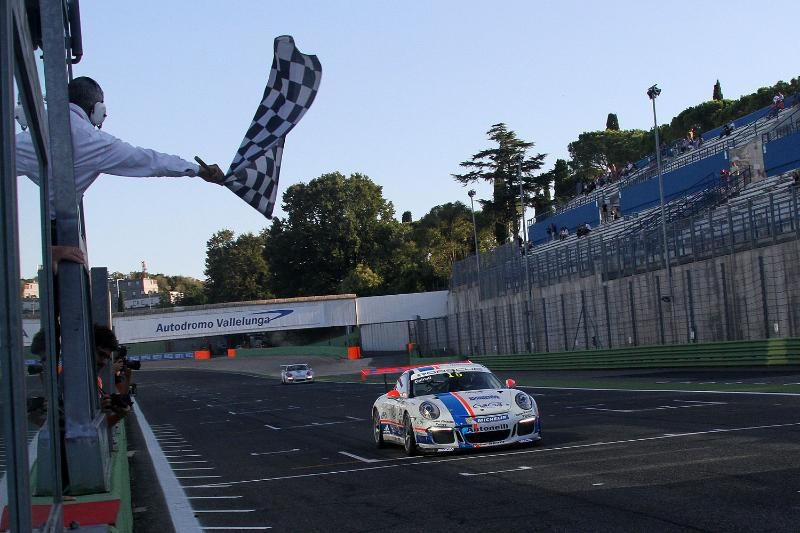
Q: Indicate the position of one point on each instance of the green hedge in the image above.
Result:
(767, 353)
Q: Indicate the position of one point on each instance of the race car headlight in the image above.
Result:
(429, 410)
(523, 401)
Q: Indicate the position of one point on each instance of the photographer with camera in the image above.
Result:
(122, 378)
(116, 405)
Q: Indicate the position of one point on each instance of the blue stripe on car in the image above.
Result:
(456, 408)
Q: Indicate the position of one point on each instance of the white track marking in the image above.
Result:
(279, 451)
(358, 457)
(502, 454)
(271, 427)
(224, 510)
(213, 497)
(185, 462)
(238, 528)
(520, 469)
(193, 468)
(196, 477)
(180, 510)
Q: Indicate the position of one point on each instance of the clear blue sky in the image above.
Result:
(408, 91)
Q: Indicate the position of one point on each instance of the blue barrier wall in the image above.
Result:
(681, 182)
(585, 214)
(782, 155)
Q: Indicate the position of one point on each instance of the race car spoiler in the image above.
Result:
(400, 369)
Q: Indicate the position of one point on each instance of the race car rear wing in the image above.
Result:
(400, 369)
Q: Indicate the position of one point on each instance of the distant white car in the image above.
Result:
(451, 406)
(296, 373)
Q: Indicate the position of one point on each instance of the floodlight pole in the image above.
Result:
(653, 93)
(471, 195)
(525, 249)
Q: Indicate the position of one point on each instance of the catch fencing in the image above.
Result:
(733, 274)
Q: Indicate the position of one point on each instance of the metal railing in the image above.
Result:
(694, 229)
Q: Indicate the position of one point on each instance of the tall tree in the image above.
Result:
(612, 123)
(563, 182)
(499, 165)
(594, 151)
(717, 91)
(334, 224)
(236, 270)
(446, 236)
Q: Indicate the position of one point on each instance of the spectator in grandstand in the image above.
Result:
(96, 152)
(725, 178)
(583, 230)
(604, 211)
(564, 233)
(777, 105)
(553, 230)
(796, 177)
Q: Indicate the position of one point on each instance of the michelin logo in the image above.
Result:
(490, 419)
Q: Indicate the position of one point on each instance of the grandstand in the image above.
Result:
(732, 244)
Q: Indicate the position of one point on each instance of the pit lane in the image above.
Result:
(300, 458)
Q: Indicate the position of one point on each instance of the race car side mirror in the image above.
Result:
(510, 383)
(394, 393)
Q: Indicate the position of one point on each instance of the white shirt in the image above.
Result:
(96, 152)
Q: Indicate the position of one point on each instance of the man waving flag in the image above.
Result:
(291, 89)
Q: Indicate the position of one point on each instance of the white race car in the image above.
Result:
(296, 373)
(455, 405)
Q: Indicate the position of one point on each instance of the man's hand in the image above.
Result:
(66, 253)
(210, 173)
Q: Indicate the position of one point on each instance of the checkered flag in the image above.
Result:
(291, 88)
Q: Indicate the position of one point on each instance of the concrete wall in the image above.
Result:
(753, 294)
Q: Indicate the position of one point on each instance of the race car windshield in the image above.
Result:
(454, 382)
(295, 368)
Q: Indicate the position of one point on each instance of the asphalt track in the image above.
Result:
(241, 452)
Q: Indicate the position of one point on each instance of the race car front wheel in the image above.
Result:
(377, 431)
(409, 440)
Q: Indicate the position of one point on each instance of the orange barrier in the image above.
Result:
(354, 352)
(231, 352)
(202, 354)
